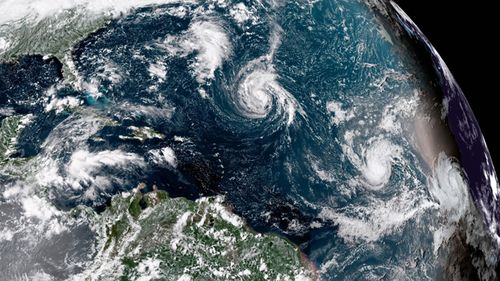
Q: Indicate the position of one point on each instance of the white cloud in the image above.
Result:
(84, 164)
(36, 10)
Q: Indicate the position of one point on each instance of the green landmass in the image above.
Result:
(151, 234)
(52, 36)
(10, 129)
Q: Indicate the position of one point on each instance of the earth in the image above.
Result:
(236, 140)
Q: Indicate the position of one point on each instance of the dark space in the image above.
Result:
(463, 33)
